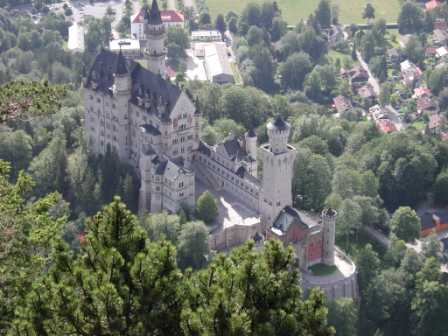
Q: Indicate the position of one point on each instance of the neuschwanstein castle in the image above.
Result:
(155, 126)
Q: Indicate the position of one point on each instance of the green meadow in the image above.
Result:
(350, 11)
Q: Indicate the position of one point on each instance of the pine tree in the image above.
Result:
(118, 285)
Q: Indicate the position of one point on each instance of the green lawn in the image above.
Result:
(322, 269)
(350, 11)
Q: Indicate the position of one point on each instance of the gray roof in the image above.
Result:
(150, 129)
(152, 16)
(289, 216)
(169, 168)
(279, 123)
(234, 149)
(145, 84)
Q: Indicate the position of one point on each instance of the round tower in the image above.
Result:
(155, 35)
(278, 133)
(329, 233)
(250, 139)
(278, 161)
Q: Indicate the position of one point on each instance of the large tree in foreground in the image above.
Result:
(123, 284)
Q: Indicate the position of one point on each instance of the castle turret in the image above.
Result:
(250, 139)
(120, 106)
(155, 35)
(278, 162)
(122, 78)
(329, 232)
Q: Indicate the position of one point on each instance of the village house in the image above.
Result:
(335, 35)
(440, 23)
(170, 18)
(439, 38)
(435, 124)
(426, 104)
(129, 47)
(342, 104)
(358, 77)
(433, 221)
(367, 94)
(393, 56)
(410, 73)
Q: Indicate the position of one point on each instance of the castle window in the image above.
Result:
(181, 194)
(98, 100)
(181, 184)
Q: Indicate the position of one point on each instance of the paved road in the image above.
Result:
(372, 80)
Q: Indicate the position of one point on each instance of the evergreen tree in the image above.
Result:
(118, 285)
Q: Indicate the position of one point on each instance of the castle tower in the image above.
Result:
(278, 162)
(155, 34)
(251, 143)
(122, 78)
(329, 232)
(120, 107)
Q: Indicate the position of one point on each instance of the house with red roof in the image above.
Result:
(386, 126)
(431, 5)
(170, 18)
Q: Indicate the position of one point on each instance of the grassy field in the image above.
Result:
(350, 11)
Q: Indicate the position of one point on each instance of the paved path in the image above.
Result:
(378, 236)
(372, 80)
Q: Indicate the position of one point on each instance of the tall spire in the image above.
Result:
(154, 17)
(121, 68)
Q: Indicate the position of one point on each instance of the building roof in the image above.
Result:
(366, 91)
(204, 149)
(121, 67)
(169, 168)
(234, 149)
(150, 129)
(386, 125)
(146, 86)
(342, 103)
(425, 103)
(278, 123)
(289, 216)
(216, 61)
(205, 34)
(440, 36)
(435, 121)
(76, 37)
(154, 17)
(421, 91)
(124, 44)
(430, 5)
(151, 15)
(428, 218)
(251, 133)
(172, 16)
(442, 52)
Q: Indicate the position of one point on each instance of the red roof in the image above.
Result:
(433, 4)
(386, 125)
(168, 16)
(172, 16)
(421, 91)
